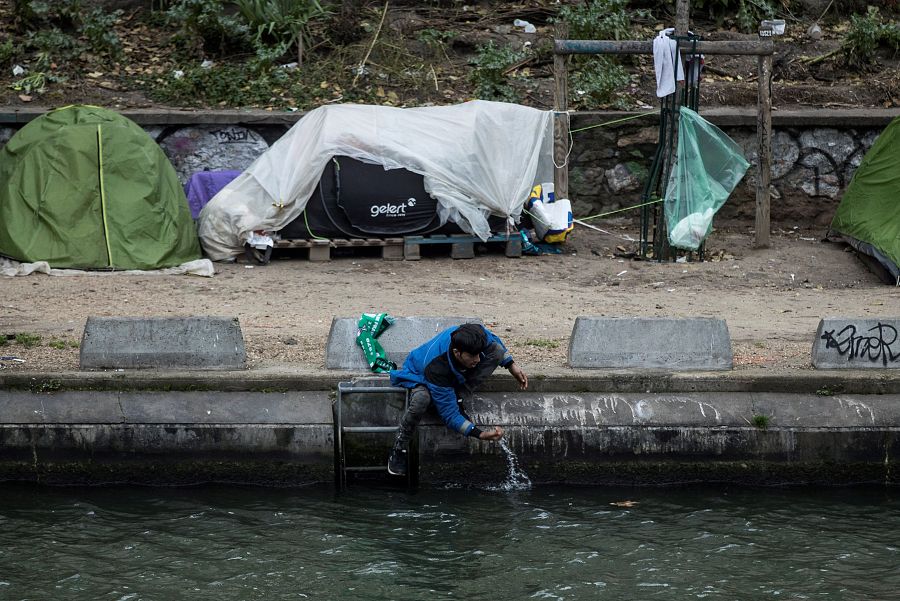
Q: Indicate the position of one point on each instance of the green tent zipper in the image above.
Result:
(103, 194)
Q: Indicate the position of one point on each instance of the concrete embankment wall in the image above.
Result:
(610, 428)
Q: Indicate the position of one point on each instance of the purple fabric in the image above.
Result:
(204, 185)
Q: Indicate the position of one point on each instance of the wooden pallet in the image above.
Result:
(395, 249)
(461, 246)
(320, 249)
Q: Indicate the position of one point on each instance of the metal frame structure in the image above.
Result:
(763, 49)
(341, 469)
(653, 216)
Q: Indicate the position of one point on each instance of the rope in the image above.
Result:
(306, 221)
(572, 131)
(581, 222)
(571, 143)
(623, 119)
(652, 202)
(533, 216)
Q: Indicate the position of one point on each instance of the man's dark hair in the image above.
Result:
(469, 338)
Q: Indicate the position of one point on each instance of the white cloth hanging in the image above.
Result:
(664, 60)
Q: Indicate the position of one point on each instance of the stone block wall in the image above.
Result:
(815, 154)
(811, 167)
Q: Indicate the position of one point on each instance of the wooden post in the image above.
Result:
(764, 151)
(682, 17)
(561, 125)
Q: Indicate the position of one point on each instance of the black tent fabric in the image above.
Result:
(361, 200)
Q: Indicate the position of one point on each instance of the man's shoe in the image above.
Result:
(397, 462)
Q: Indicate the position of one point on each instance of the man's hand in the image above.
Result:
(519, 375)
(496, 433)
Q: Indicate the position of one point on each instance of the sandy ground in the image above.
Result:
(772, 299)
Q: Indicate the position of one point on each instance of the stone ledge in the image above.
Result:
(579, 438)
(561, 380)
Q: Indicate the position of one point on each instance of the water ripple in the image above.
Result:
(226, 544)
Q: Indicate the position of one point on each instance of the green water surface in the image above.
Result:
(234, 543)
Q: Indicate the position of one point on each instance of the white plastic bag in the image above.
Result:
(552, 218)
(691, 230)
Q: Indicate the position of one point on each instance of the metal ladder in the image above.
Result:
(341, 469)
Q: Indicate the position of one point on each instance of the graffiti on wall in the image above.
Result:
(234, 135)
(878, 344)
(814, 164)
(204, 148)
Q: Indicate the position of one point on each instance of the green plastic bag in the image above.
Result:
(708, 166)
(371, 326)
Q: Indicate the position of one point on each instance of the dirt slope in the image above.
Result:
(409, 62)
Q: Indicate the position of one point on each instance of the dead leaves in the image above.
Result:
(389, 98)
(624, 503)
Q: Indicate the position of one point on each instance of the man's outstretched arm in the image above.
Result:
(518, 374)
(495, 433)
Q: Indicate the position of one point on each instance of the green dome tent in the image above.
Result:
(869, 213)
(85, 187)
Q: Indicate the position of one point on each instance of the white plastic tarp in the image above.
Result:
(477, 158)
(11, 268)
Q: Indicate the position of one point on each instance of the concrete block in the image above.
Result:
(398, 340)
(320, 251)
(163, 343)
(695, 343)
(392, 250)
(20, 408)
(296, 407)
(411, 251)
(514, 247)
(857, 343)
(81, 407)
(462, 250)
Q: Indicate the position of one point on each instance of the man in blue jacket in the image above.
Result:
(445, 372)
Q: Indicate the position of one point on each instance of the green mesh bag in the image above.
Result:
(708, 165)
(371, 325)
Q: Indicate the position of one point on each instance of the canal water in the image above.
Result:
(236, 543)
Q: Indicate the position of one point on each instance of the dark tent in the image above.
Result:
(361, 200)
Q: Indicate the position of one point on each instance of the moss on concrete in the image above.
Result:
(471, 470)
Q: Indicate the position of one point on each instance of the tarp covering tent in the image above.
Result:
(478, 158)
(869, 213)
(85, 187)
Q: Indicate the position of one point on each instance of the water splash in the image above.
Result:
(516, 478)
